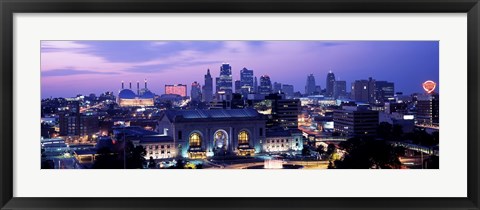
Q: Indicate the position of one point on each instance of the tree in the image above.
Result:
(384, 130)
(397, 132)
(306, 151)
(320, 149)
(179, 165)
(368, 153)
(46, 164)
(106, 159)
(151, 163)
(432, 162)
(421, 137)
(331, 149)
(135, 155)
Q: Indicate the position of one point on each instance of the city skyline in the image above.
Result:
(99, 66)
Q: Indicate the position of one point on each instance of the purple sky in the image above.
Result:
(83, 67)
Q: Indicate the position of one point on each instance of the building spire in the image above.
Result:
(138, 87)
(122, 85)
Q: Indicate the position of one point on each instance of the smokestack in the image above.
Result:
(145, 84)
(122, 84)
(138, 87)
(130, 85)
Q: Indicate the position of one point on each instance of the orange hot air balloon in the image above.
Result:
(429, 86)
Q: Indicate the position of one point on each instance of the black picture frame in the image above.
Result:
(10, 7)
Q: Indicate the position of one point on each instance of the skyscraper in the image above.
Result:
(224, 81)
(310, 86)
(355, 121)
(277, 87)
(288, 90)
(177, 89)
(284, 112)
(255, 85)
(196, 92)
(383, 91)
(208, 87)
(339, 89)
(265, 85)
(238, 86)
(364, 91)
(318, 90)
(330, 84)
(428, 109)
(246, 80)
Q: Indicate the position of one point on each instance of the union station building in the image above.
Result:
(204, 133)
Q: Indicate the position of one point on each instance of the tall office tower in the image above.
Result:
(339, 89)
(177, 89)
(288, 90)
(246, 80)
(428, 109)
(277, 87)
(265, 85)
(310, 86)
(238, 86)
(196, 92)
(330, 84)
(255, 85)
(208, 87)
(284, 112)
(318, 90)
(355, 121)
(364, 91)
(74, 123)
(224, 81)
(384, 91)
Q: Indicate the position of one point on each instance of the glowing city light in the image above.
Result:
(429, 86)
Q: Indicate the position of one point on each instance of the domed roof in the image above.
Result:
(148, 94)
(126, 94)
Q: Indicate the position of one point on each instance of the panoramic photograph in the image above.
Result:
(251, 104)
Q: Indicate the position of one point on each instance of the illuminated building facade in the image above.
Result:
(177, 89)
(74, 123)
(224, 81)
(384, 91)
(339, 89)
(202, 133)
(288, 90)
(355, 121)
(128, 98)
(246, 81)
(208, 88)
(428, 111)
(330, 84)
(364, 91)
(284, 112)
(283, 141)
(265, 85)
(310, 86)
(196, 91)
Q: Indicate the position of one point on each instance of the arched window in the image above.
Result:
(243, 137)
(195, 140)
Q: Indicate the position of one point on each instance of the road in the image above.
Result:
(306, 164)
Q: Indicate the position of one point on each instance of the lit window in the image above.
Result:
(195, 140)
(243, 137)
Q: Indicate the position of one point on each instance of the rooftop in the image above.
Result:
(212, 113)
(156, 139)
